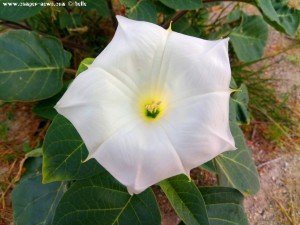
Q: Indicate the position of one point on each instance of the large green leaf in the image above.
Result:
(249, 39)
(236, 168)
(64, 153)
(45, 108)
(144, 10)
(102, 200)
(183, 4)
(31, 66)
(165, 10)
(224, 206)
(183, 26)
(18, 9)
(34, 203)
(186, 199)
(279, 15)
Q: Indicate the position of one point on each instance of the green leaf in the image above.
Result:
(239, 103)
(144, 10)
(128, 3)
(250, 38)
(43, 21)
(45, 108)
(69, 20)
(183, 26)
(84, 64)
(100, 5)
(102, 200)
(236, 168)
(64, 152)
(186, 199)
(31, 66)
(18, 9)
(234, 16)
(279, 15)
(209, 166)
(163, 9)
(183, 4)
(233, 84)
(224, 206)
(34, 203)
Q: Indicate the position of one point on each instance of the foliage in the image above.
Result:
(36, 65)
(274, 114)
(102, 200)
(33, 66)
(34, 202)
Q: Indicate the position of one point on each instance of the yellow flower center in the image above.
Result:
(152, 110)
(152, 104)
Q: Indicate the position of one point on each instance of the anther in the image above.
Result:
(152, 109)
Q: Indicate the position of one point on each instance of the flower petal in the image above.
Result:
(139, 156)
(199, 128)
(133, 54)
(97, 105)
(193, 66)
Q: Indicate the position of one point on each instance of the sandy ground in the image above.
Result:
(278, 201)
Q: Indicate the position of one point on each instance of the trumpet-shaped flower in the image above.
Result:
(153, 104)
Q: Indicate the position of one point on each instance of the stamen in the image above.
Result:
(152, 110)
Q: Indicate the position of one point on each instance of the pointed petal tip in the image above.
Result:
(231, 147)
(119, 17)
(170, 26)
(130, 191)
(122, 19)
(189, 178)
(225, 41)
(87, 159)
(187, 173)
(134, 191)
(58, 106)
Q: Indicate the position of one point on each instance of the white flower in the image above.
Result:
(154, 104)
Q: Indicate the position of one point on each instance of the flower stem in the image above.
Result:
(174, 18)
